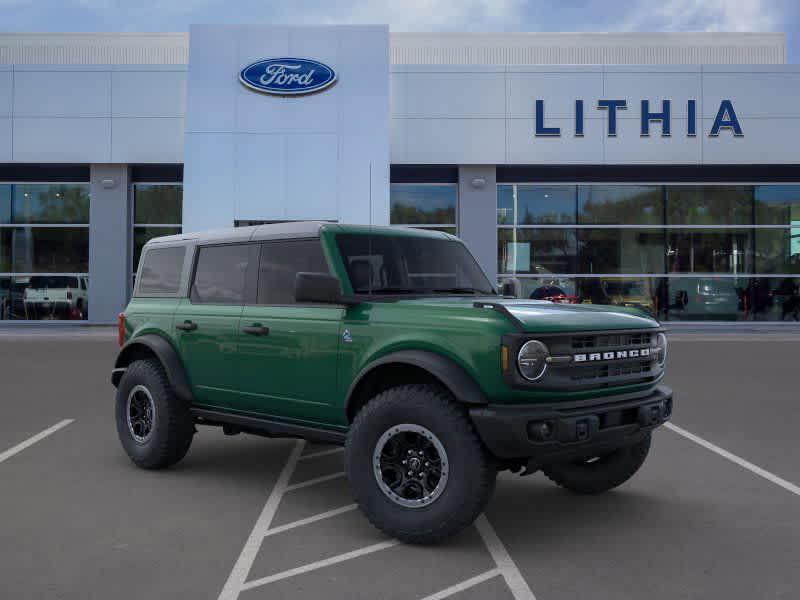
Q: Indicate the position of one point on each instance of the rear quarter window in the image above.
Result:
(219, 276)
(160, 273)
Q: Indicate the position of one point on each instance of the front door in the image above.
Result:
(207, 323)
(288, 352)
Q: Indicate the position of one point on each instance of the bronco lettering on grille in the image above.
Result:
(615, 355)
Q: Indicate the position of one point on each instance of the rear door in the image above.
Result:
(207, 321)
(287, 351)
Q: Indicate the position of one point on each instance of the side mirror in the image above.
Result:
(318, 287)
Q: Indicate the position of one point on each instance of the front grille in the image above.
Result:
(641, 367)
(596, 370)
(586, 342)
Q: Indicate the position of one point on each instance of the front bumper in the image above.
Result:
(547, 433)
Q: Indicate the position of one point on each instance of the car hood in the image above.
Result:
(541, 316)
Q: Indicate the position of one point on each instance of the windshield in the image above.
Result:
(389, 264)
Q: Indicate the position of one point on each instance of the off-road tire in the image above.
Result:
(604, 473)
(471, 475)
(173, 427)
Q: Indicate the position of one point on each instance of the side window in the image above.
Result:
(281, 262)
(219, 276)
(161, 271)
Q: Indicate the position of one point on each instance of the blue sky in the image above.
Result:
(414, 15)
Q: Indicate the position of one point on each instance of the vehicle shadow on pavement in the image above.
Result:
(535, 504)
(232, 461)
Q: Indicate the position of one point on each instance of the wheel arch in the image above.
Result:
(411, 366)
(154, 346)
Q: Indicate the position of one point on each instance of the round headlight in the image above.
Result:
(532, 360)
(661, 344)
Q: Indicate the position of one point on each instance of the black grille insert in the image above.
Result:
(583, 342)
(640, 367)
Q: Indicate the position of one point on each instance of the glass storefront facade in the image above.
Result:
(44, 251)
(680, 252)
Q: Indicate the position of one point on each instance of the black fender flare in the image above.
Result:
(453, 376)
(165, 352)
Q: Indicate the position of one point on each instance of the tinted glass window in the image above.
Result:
(44, 249)
(621, 251)
(220, 274)
(40, 282)
(539, 251)
(418, 204)
(777, 205)
(709, 298)
(535, 204)
(281, 262)
(709, 205)
(5, 203)
(621, 204)
(157, 204)
(161, 271)
(388, 264)
(778, 250)
(46, 203)
(710, 250)
(775, 299)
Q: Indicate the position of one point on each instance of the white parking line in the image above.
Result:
(314, 519)
(314, 481)
(787, 485)
(235, 584)
(33, 439)
(505, 564)
(237, 580)
(322, 453)
(320, 564)
(464, 585)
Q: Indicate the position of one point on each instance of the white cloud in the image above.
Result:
(704, 15)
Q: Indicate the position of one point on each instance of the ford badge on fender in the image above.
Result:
(287, 76)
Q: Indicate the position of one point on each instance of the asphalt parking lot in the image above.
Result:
(714, 513)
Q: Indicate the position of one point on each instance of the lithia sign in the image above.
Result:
(726, 119)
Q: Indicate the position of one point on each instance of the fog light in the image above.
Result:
(540, 430)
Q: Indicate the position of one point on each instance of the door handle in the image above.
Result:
(186, 326)
(256, 329)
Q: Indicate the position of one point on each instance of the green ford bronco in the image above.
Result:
(394, 343)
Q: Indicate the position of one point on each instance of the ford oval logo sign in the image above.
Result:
(287, 76)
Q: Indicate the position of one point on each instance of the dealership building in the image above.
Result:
(652, 170)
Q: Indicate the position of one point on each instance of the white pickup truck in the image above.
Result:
(56, 296)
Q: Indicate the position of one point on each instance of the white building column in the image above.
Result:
(477, 214)
(109, 242)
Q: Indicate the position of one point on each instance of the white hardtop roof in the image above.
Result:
(294, 229)
(277, 231)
